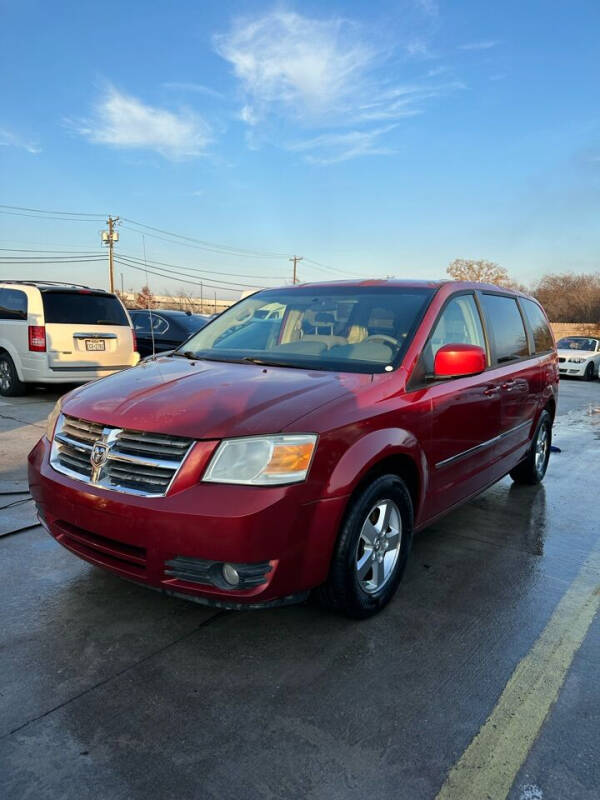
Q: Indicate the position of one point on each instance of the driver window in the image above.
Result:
(460, 323)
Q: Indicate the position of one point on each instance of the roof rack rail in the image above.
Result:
(50, 283)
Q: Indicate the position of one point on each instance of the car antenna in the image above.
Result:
(148, 296)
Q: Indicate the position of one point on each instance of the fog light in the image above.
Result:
(231, 574)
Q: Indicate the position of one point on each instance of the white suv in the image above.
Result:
(61, 333)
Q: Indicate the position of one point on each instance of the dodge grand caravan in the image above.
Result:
(60, 333)
(275, 454)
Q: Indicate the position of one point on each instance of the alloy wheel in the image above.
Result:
(378, 546)
(541, 449)
(5, 376)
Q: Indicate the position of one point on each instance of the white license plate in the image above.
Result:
(94, 344)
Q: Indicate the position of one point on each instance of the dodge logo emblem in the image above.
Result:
(99, 455)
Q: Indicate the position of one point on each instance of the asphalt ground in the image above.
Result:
(478, 681)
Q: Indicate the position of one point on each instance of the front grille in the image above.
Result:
(134, 462)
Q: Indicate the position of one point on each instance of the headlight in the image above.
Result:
(262, 460)
(577, 360)
(52, 419)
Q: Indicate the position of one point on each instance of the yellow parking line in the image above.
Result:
(489, 765)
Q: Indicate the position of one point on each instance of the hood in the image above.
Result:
(208, 399)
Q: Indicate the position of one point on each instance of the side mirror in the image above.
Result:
(458, 360)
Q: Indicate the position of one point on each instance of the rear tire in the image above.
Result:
(372, 549)
(533, 468)
(10, 384)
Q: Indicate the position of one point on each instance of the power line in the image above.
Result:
(53, 217)
(62, 213)
(71, 252)
(206, 271)
(179, 280)
(75, 257)
(230, 284)
(172, 238)
(228, 249)
(24, 261)
(332, 269)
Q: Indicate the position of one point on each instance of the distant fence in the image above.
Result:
(193, 304)
(561, 329)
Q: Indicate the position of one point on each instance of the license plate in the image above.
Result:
(94, 344)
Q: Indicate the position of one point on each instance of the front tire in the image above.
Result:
(10, 385)
(589, 372)
(372, 549)
(533, 468)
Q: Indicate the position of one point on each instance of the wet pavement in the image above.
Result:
(108, 690)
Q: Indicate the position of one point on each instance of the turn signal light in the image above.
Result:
(290, 458)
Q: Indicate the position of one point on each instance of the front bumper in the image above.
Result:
(570, 370)
(136, 537)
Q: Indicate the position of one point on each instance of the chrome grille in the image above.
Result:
(134, 462)
(82, 431)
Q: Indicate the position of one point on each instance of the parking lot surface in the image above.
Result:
(108, 690)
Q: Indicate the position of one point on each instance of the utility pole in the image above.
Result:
(295, 260)
(201, 298)
(109, 237)
(122, 290)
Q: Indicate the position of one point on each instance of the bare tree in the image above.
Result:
(145, 298)
(467, 269)
(569, 297)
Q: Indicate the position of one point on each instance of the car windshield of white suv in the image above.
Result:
(82, 307)
(351, 329)
(577, 343)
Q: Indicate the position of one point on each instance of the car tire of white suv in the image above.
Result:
(10, 384)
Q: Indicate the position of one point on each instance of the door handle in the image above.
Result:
(491, 391)
(508, 385)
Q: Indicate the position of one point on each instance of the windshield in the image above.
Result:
(83, 308)
(577, 343)
(346, 329)
(192, 323)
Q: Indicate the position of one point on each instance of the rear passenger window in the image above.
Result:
(542, 337)
(459, 324)
(505, 326)
(13, 304)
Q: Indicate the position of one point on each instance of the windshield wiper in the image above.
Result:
(266, 362)
(242, 360)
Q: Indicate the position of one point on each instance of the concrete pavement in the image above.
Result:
(108, 690)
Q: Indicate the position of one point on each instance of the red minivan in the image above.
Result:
(297, 441)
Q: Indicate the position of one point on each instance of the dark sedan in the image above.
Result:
(159, 331)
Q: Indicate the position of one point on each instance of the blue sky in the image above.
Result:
(382, 138)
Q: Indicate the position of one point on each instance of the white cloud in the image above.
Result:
(301, 65)
(11, 139)
(123, 121)
(486, 44)
(321, 74)
(196, 88)
(331, 148)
